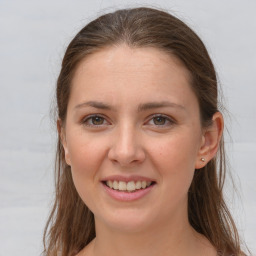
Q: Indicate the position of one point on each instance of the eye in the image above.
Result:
(160, 120)
(95, 120)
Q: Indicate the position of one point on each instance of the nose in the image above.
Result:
(126, 148)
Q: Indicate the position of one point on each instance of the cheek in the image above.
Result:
(178, 150)
(175, 159)
(86, 156)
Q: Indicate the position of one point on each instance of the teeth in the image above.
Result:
(138, 185)
(129, 186)
(115, 185)
(110, 183)
(122, 185)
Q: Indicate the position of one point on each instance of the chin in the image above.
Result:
(123, 221)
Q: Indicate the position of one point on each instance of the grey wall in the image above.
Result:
(33, 37)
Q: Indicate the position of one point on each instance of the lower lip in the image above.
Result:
(127, 196)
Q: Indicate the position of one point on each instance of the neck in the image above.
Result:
(161, 240)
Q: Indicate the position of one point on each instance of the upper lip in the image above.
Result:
(127, 178)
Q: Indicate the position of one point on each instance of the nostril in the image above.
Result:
(126, 153)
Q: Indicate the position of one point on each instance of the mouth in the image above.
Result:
(129, 187)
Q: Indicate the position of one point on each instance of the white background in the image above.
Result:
(33, 37)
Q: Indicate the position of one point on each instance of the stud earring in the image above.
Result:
(203, 159)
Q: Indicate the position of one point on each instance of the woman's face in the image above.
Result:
(133, 119)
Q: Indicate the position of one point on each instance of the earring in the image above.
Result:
(203, 159)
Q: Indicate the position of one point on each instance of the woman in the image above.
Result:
(140, 159)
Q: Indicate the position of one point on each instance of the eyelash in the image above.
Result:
(167, 119)
(86, 119)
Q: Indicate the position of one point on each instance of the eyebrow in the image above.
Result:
(94, 104)
(162, 104)
(141, 107)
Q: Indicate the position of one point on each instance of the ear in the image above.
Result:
(210, 141)
(61, 132)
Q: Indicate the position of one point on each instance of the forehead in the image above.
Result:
(137, 72)
(122, 58)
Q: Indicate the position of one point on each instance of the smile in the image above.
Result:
(130, 186)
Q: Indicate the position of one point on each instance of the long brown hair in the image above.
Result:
(70, 226)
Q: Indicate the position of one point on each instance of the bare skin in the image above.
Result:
(112, 129)
(201, 246)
